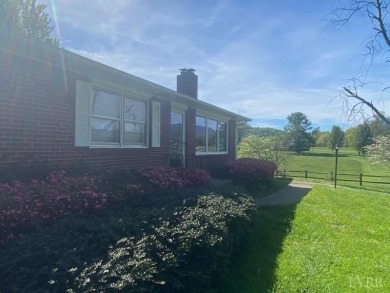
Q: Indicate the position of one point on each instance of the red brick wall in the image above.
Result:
(37, 113)
(37, 121)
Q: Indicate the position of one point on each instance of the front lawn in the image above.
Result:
(332, 241)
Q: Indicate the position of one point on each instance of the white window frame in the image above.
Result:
(103, 117)
(124, 120)
(181, 112)
(156, 124)
(84, 115)
(206, 152)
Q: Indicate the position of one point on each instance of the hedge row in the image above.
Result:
(160, 250)
(91, 234)
(44, 201)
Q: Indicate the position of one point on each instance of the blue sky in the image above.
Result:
(261, 59)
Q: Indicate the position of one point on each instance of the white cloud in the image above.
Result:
(256, 59)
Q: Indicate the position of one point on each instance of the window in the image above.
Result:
(109, 119)
(222, 135)
(211, 135)
(177, 140)
(105, 119)
(134, 122)
(200, 134)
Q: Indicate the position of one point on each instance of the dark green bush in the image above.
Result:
(143, 240)
(178, 247)
(185, 251)
(25, 174)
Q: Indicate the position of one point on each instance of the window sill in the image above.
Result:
(118, 147)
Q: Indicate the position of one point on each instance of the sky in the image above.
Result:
(261, 59)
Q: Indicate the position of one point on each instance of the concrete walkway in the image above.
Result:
(292, 193)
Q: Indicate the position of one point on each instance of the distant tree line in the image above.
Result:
(298, 135)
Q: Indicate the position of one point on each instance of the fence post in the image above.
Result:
(305, 174)
(284, 173)
(331, 176)
(361, 179)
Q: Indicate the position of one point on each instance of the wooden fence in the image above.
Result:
(360, 178)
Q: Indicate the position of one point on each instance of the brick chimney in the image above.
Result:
(187, 83)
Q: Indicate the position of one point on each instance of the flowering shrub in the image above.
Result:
(23, 203)
(182, 247)
(196, 176)
(250, 172)
(171, 178)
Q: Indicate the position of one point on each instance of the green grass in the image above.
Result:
(334, 240)
(322, 160)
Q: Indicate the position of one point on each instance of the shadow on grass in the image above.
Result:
(383, 188)
(326, 155)
(254, 268)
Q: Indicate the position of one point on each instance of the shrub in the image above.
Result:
(175, 249)
(185, 251)
(195, 176)
(170, 178)
(25, 173)
(180, 242)
(251, 172)
(22, 204)
(50, 259)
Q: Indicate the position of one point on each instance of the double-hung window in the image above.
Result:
(105, 118)
(113, 119)
(134, 122)
(211, 135)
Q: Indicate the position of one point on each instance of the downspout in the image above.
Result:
(236, 138)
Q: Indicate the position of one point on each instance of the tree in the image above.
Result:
(379, 150)
(336, 137)
(378, 127)
(27, 17)
(349, 137)
(316, 133)
(245, 129)
(323, 140)
(362, 138)
(298, 136)
(377, 44)
(253, 146)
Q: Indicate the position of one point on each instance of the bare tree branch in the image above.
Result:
(377, 11)
(382, 29)
(363, 101)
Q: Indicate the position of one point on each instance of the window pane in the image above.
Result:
(176, 134)
(106, 104)
(176, 127)
(222, 134)
(134, 110)
(212, 135)
(105, 130)
(134, 133)
(200, 134)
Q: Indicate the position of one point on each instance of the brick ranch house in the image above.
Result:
(59, 108)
